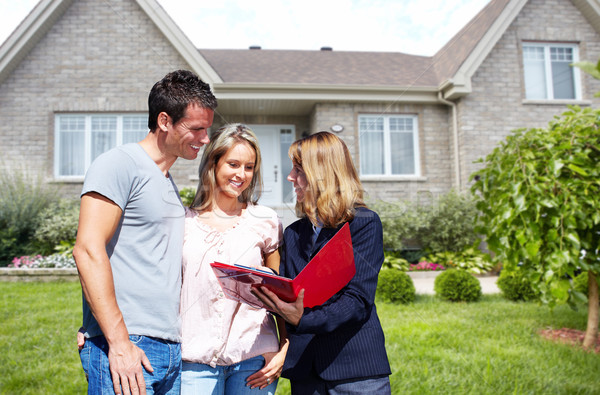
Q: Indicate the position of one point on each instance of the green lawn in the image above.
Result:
(435, 347)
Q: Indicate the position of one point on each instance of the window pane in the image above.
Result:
(562, 73)
(72, 146)
(104, 134)
(371, 145)
(535, 78)
(401, 139)
(134, 128)
(285, 140)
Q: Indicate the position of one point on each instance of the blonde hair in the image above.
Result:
(334, 189)
(220, 143)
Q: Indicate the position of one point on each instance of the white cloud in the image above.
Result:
(411, 26)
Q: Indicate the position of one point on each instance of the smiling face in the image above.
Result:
(190, 133)
(235, 170)
(298, 178)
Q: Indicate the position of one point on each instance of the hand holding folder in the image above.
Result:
(327, 273)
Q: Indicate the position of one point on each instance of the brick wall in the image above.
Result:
(99, 57)
(496, 105)
(434, 144)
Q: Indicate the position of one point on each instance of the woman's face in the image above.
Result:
(235, 170)
(298, 178)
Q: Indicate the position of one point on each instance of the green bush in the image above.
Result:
(516, 286)
(447, 224)
(580, 283)
(187, 195)
(395, 286)
(470, 259)
(22, 198)
(457, 286)
(450, 223)
(57, 227)
(401, 222)
(394, 260)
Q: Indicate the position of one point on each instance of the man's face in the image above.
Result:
(185, 138)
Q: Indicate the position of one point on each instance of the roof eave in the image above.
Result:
(180, 41)
(33, 28)
(232, 91)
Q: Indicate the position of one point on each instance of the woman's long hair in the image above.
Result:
(334, 189)
(221, 142)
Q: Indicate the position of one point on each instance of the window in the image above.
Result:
(548, 71)
(80, 138)
(389, 145)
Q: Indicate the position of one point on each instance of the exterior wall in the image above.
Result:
(98, 57)
(497, 104)
(434, 144)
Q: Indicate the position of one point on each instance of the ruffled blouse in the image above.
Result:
(215, 329)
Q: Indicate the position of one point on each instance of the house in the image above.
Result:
(74, 79)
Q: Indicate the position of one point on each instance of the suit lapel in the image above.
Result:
(325, 235)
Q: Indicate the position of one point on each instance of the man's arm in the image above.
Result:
(98, 221)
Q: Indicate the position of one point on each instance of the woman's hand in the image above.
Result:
(291, 312)
(80, 338)
(271, 371)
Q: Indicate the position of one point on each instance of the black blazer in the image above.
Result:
(341, 339)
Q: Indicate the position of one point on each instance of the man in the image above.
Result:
(129, 242)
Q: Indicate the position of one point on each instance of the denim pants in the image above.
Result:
(198, 378)
(314, 385)
(164, 356)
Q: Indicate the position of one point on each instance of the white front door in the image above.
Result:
(271, 144)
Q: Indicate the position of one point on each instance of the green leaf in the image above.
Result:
(577, 169)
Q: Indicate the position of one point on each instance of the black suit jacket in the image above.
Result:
(342, 338)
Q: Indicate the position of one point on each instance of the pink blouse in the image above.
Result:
(217, 330)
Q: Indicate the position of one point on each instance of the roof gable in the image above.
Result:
(47, 12)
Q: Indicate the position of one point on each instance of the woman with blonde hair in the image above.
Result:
(339, 346)
(228, 347)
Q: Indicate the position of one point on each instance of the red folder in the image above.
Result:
(327, 273)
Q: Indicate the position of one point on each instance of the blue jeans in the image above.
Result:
(198, 378)
(164, 356)
(314, 385)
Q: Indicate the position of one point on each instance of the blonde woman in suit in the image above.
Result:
(338, 347)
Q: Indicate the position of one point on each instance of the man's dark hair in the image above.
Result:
(174, 93)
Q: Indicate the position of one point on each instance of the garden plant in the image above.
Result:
(540, 206)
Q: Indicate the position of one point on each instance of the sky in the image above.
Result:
(418, 27)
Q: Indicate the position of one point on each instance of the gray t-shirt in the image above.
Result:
(145, 251)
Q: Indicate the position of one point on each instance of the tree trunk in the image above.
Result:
(591, 333)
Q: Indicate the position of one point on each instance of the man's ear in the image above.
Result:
(163, 121)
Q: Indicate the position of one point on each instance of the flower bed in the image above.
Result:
(55, 267)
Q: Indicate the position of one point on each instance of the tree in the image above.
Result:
(540, 206)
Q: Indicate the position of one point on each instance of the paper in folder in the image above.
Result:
(327, 273)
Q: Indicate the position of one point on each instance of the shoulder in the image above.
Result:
(364, 215)
(258, 211)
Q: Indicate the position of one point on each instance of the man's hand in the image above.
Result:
(126, 368)
(291, 312)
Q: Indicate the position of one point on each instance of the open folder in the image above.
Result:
(326, 273)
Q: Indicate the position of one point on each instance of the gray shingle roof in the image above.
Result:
(259, 66)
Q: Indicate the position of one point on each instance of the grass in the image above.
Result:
(434, 347)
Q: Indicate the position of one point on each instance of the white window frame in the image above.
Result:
(387, 154)
(548, 69)
(87, 139)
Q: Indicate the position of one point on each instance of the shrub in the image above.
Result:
(516, 286)
(450, 223)
(457, 286)
(57, 227)
(401, 222)
(447, 224)
(395, 286)
(187, 195)
(471, 260)
(22, 199)
(394, 260)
